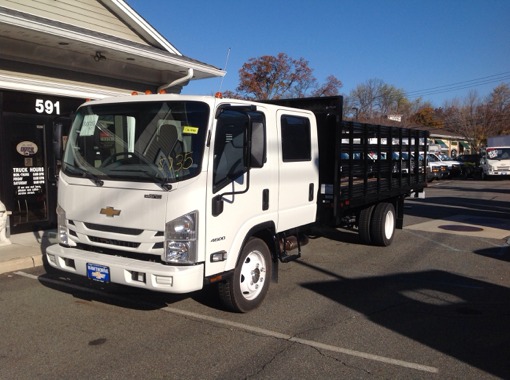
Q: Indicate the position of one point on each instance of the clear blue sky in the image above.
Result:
(439, 49)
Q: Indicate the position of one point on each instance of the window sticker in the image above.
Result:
(492, 153)
(189, 129)
(27, 148)
(88, 125)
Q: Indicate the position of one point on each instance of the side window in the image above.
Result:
(296, 140)
(229, 148)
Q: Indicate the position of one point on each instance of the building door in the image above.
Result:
(30, 183)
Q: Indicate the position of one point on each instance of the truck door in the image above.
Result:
(238, 198)
(298, 169)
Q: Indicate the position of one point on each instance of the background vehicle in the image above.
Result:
(436, 168)
(470, 164)
(173, 192)
(495, 159)
(453, 167)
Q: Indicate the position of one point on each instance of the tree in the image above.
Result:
(499, 105)
(329, 88)
(469, 118)
(376, 100)
(276, 77)
(427, 117)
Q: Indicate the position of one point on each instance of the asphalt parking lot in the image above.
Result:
(435, 304)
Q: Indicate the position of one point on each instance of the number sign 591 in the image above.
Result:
(47, 107)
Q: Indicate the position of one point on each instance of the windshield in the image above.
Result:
(432, 158)
(444, 157)
(147, 141)
(498, 153)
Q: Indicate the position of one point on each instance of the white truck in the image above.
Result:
(172, 192)
(495, 160)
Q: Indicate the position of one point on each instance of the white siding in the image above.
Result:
(87, 14)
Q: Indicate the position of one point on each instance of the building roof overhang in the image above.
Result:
(50, 47)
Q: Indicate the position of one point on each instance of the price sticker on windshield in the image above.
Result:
(89, 125)
(492, 153)
(189, 129)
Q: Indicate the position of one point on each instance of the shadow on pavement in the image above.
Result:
(463, 318)
(122, 296)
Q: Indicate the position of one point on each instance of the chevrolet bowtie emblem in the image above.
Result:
(110, 211)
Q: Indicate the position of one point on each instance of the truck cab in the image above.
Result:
(495, 162)
(165, 192)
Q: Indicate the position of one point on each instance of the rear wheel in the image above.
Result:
(382, 225)
(247, 288)
(365, 216)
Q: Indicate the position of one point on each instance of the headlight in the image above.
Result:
(181, 240)
(62, 232)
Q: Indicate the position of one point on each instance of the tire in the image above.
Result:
(248, 287)
(382, 225)
(365, 216)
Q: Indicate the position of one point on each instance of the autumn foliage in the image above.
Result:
(276, 77)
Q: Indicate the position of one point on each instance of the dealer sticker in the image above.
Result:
(190, 130)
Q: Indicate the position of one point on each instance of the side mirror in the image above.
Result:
(217, 205)
(258, 145)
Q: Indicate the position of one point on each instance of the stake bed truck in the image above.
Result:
(174, 192)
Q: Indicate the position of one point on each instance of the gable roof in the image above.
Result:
(107, 45)
(138, 24)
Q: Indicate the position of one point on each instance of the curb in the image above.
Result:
(26, 250)
(21, 263)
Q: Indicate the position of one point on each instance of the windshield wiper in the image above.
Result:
(85, 174)
(162, 182)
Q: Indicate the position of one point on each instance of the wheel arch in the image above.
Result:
(265, 231)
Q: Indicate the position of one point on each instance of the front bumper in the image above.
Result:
(130, 272)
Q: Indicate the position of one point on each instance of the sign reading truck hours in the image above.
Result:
(28, 181)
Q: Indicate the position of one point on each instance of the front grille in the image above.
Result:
(114, 229)
(113, 252)
(117, 238)
(118, 243)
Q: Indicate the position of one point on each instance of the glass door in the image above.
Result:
(31, 194)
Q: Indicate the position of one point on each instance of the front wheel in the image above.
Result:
(247, 288)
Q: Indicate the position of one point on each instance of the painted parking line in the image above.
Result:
(306, 342)
(492, 228)
(249, 328)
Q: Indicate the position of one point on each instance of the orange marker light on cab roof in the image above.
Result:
(161, 92)
(218, 95)
(148, 92)
(134, 93)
